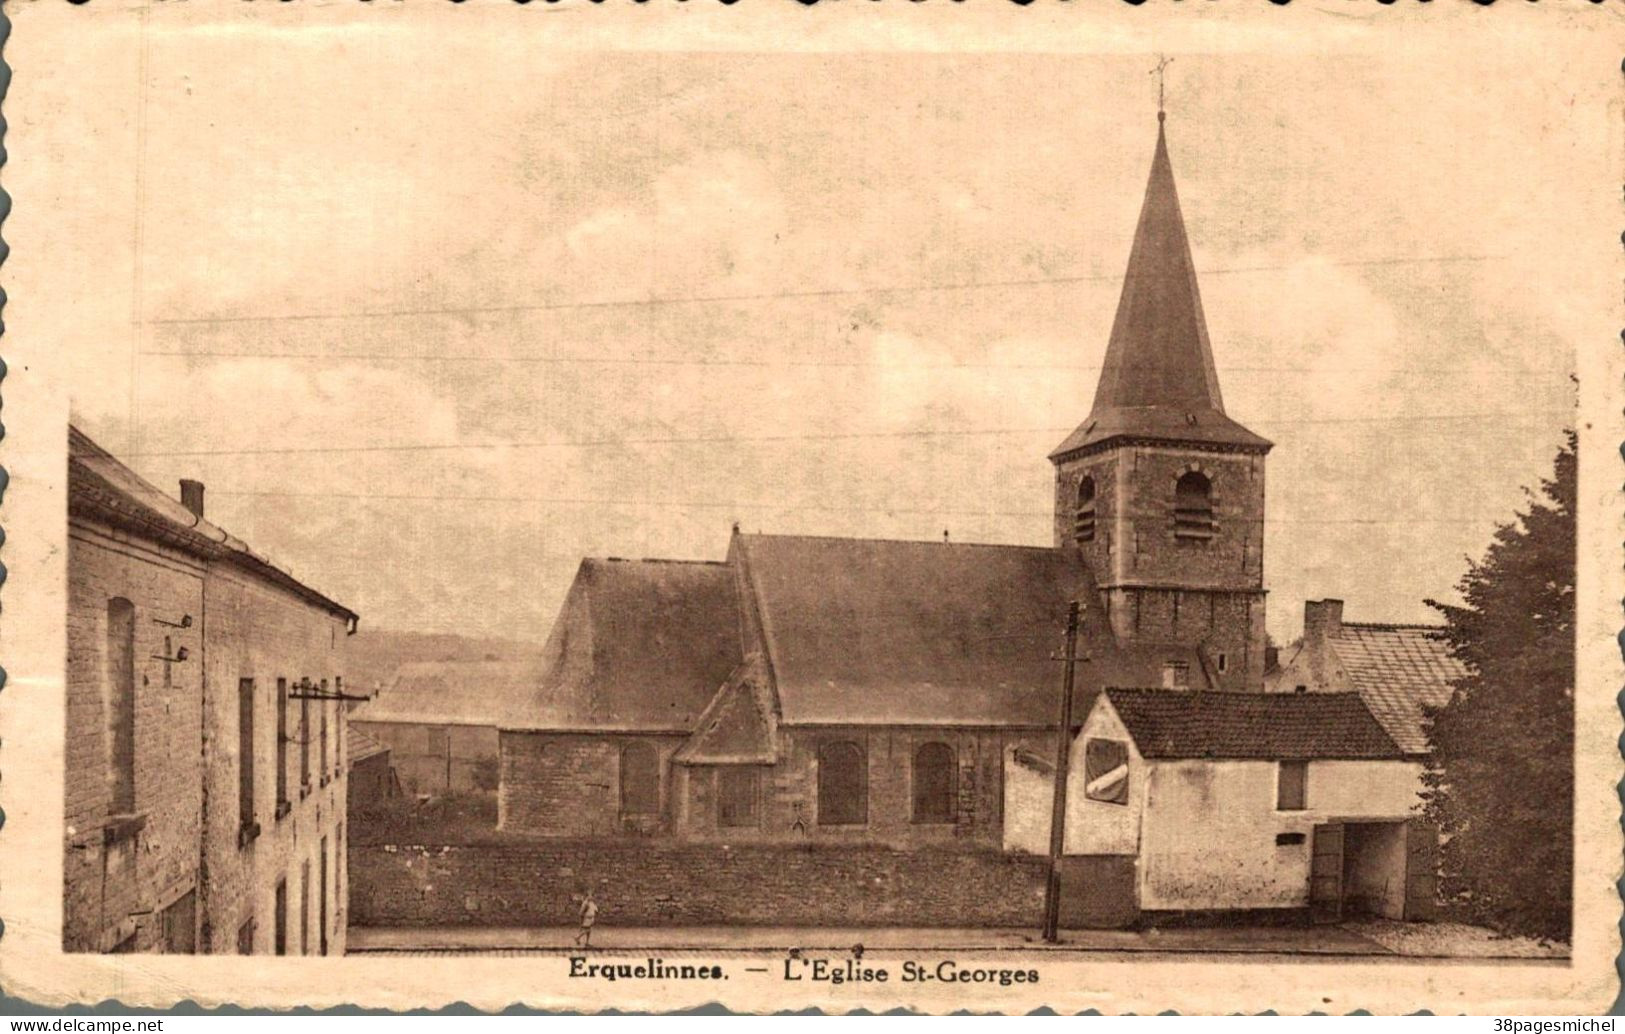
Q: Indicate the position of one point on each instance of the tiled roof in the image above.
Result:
(1398, 669)
(739, 725)
(102, 487)
(1168, 724)
(359, 746)
(455, 693)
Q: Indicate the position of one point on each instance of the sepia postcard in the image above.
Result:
(932, 506)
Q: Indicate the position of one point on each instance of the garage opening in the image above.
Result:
(1374, 869)
(1380, 868)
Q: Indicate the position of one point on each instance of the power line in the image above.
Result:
(842, 436)
(676, 504)
(833, 292)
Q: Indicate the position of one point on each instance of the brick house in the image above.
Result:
(205, 770)
(1398, 670)
(905, 694)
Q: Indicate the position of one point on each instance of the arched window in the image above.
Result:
(640, 780)
(843, 784)
(1193, 506)
(1083, 524)
(120, 699)
(936, 783)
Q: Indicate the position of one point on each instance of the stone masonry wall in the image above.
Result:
(654, 884)
(558, 784)
(115, 892)
(568, 784)
(1166, 588)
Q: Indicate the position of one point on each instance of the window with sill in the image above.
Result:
(245, 755)
(283, 806)
(843, 784)
(1292, 786)
(119, 697)
(640, 780)
(936, 783)
(738, 791)
(1193, 507)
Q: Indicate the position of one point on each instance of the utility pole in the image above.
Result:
(1063, 754)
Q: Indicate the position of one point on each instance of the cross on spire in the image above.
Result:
(1162, 64)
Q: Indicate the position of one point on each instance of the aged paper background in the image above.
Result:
(104, 176)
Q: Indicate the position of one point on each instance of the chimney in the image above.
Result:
(192, 496)
(1322, 620)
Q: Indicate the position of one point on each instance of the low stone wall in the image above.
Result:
(535, 883)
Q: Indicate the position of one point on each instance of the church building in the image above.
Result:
(907, 693)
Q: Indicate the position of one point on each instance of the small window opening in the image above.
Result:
(1291, 786)
(1224, 664)
(1176, 675)
(1105, 771)
(1193, 507)
(738, 790)
(1288, 839)
(1300, 689)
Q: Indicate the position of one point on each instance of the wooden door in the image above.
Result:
(1326, 874)
(1421, 870)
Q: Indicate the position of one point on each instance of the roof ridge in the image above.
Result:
(902, 542)
(653, 560)
(1397, 625)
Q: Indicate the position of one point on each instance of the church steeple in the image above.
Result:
(1159, 490)
(1158, 381)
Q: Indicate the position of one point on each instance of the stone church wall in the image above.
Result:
(567, 784)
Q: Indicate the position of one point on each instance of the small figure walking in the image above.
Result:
(589, 915)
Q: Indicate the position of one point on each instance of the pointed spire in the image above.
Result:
(1158, 379)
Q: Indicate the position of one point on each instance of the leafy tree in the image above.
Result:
(1500, 779)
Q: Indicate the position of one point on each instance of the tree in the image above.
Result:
(1500, 778)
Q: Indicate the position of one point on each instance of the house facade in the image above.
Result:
(1193, 802)
(1398, 670)
(205, 775)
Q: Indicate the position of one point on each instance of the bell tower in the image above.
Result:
(1159, 488)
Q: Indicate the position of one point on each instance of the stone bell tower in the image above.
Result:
(1161, 491)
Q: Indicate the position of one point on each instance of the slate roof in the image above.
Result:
(359, 746)
(1398, 669)
(102, 487)
(868, 631)
(739, 726)
(490, 693)
(639, 645)
(1159, 380)
(1172, 724)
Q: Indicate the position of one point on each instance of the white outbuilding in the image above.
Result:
(1208, 802)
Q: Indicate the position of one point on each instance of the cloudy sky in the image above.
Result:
(430, 343)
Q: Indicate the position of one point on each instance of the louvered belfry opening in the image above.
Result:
(1193, 507)
(1083, 526)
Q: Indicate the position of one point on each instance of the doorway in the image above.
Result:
(1373, 868)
